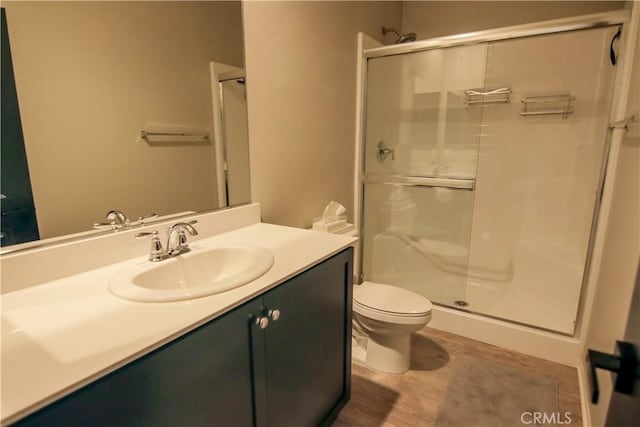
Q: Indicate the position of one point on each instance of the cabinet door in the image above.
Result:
(308, 349)
(201, 379)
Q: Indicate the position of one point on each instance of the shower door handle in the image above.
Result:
(421, 181)
(383, 152)
(625, 364)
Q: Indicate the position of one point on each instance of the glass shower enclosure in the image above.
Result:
(482, 164)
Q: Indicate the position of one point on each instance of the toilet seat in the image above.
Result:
(384, 317)
(390, 304)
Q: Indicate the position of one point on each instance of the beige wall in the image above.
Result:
(301, 64)
(438, 18)
(621, 253)
(301, 73)
(89, 76)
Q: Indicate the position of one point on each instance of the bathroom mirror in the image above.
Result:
(90, 77)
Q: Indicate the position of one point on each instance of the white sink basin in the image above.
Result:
(201, 272)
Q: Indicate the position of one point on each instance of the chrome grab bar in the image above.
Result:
(419, 181)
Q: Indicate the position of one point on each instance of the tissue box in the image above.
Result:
(339, 226)
(329, 227)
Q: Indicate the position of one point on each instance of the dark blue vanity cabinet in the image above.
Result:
(308, 350)
(244, 368)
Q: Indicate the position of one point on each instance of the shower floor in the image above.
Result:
(429, 392)
(535, 284)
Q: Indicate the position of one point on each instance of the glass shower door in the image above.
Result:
(538, 177)
(420, 166)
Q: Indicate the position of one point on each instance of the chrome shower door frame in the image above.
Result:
(582, 22)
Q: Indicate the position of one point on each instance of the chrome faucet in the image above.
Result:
(383, 152)
(176, 241)
(118, 217)
(115, 220)
(177, 238)
(118, 220)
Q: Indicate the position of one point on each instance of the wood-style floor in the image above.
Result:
(414, 398)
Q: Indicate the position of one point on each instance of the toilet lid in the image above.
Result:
(391, 299)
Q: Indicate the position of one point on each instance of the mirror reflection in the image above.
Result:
(90, 78)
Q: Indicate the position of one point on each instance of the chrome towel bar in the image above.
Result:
(199, 135)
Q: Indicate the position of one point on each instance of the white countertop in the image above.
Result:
(61, 335)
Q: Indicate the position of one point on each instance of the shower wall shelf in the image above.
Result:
(548, 105)
(496, 96)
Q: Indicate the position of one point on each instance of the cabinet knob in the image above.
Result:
(262, 321)
(274, 314)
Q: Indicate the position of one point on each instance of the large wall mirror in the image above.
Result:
(92, 77)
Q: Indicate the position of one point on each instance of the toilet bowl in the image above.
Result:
(383, 319)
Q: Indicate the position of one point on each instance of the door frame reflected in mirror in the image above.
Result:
(230, 124)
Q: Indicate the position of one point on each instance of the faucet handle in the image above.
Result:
(99, 225)
(157, 252)
(146, 234)
(143, 218)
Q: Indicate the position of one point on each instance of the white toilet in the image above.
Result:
(383, 319)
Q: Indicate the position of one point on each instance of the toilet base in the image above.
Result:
(359, 349)
(383, 352)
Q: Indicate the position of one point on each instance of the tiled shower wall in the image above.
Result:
(515, 246)
(537, 178)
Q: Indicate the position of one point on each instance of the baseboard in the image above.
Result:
(583, 382)
(545, 345)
